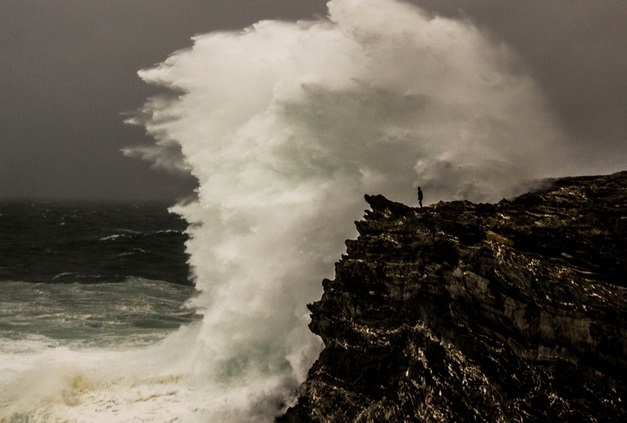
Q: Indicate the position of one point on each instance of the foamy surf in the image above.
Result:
(153, 384)
(42, 384)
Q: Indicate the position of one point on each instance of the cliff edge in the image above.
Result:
(515, 311)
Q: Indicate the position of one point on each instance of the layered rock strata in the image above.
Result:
(457, 312)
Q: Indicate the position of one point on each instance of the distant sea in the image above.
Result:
(86, 274)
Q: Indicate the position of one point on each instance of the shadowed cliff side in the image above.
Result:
(515, 311)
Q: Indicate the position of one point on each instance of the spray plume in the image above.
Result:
(287, 125)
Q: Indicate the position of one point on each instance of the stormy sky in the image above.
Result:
(68, 73)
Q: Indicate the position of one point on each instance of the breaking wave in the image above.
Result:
(287, 124)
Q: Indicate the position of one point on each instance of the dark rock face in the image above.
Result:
(457, 312)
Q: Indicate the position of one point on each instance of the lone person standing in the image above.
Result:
(419, 192)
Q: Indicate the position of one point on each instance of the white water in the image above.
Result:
(286, 125)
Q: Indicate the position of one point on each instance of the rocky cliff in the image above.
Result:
(506, 312)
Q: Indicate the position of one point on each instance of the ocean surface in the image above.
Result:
(91, 273)
(78, 280)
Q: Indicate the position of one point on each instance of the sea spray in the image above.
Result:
(286, 125)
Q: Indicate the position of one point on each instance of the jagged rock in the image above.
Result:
(503, 312)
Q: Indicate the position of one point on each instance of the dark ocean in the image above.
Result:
(91, 274)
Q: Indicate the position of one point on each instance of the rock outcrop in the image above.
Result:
(506, 312)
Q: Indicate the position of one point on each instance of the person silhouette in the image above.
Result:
(419, 192)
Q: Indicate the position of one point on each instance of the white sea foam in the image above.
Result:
(286, 125)
(61, 385)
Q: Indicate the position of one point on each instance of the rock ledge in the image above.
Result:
(503, 312)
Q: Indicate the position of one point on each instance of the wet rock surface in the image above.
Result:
(503, 312)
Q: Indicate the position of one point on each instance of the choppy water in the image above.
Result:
(56, 241)
(79, 281)
(133, 312)
(86, 274)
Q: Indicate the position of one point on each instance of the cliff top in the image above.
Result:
(515, 311)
